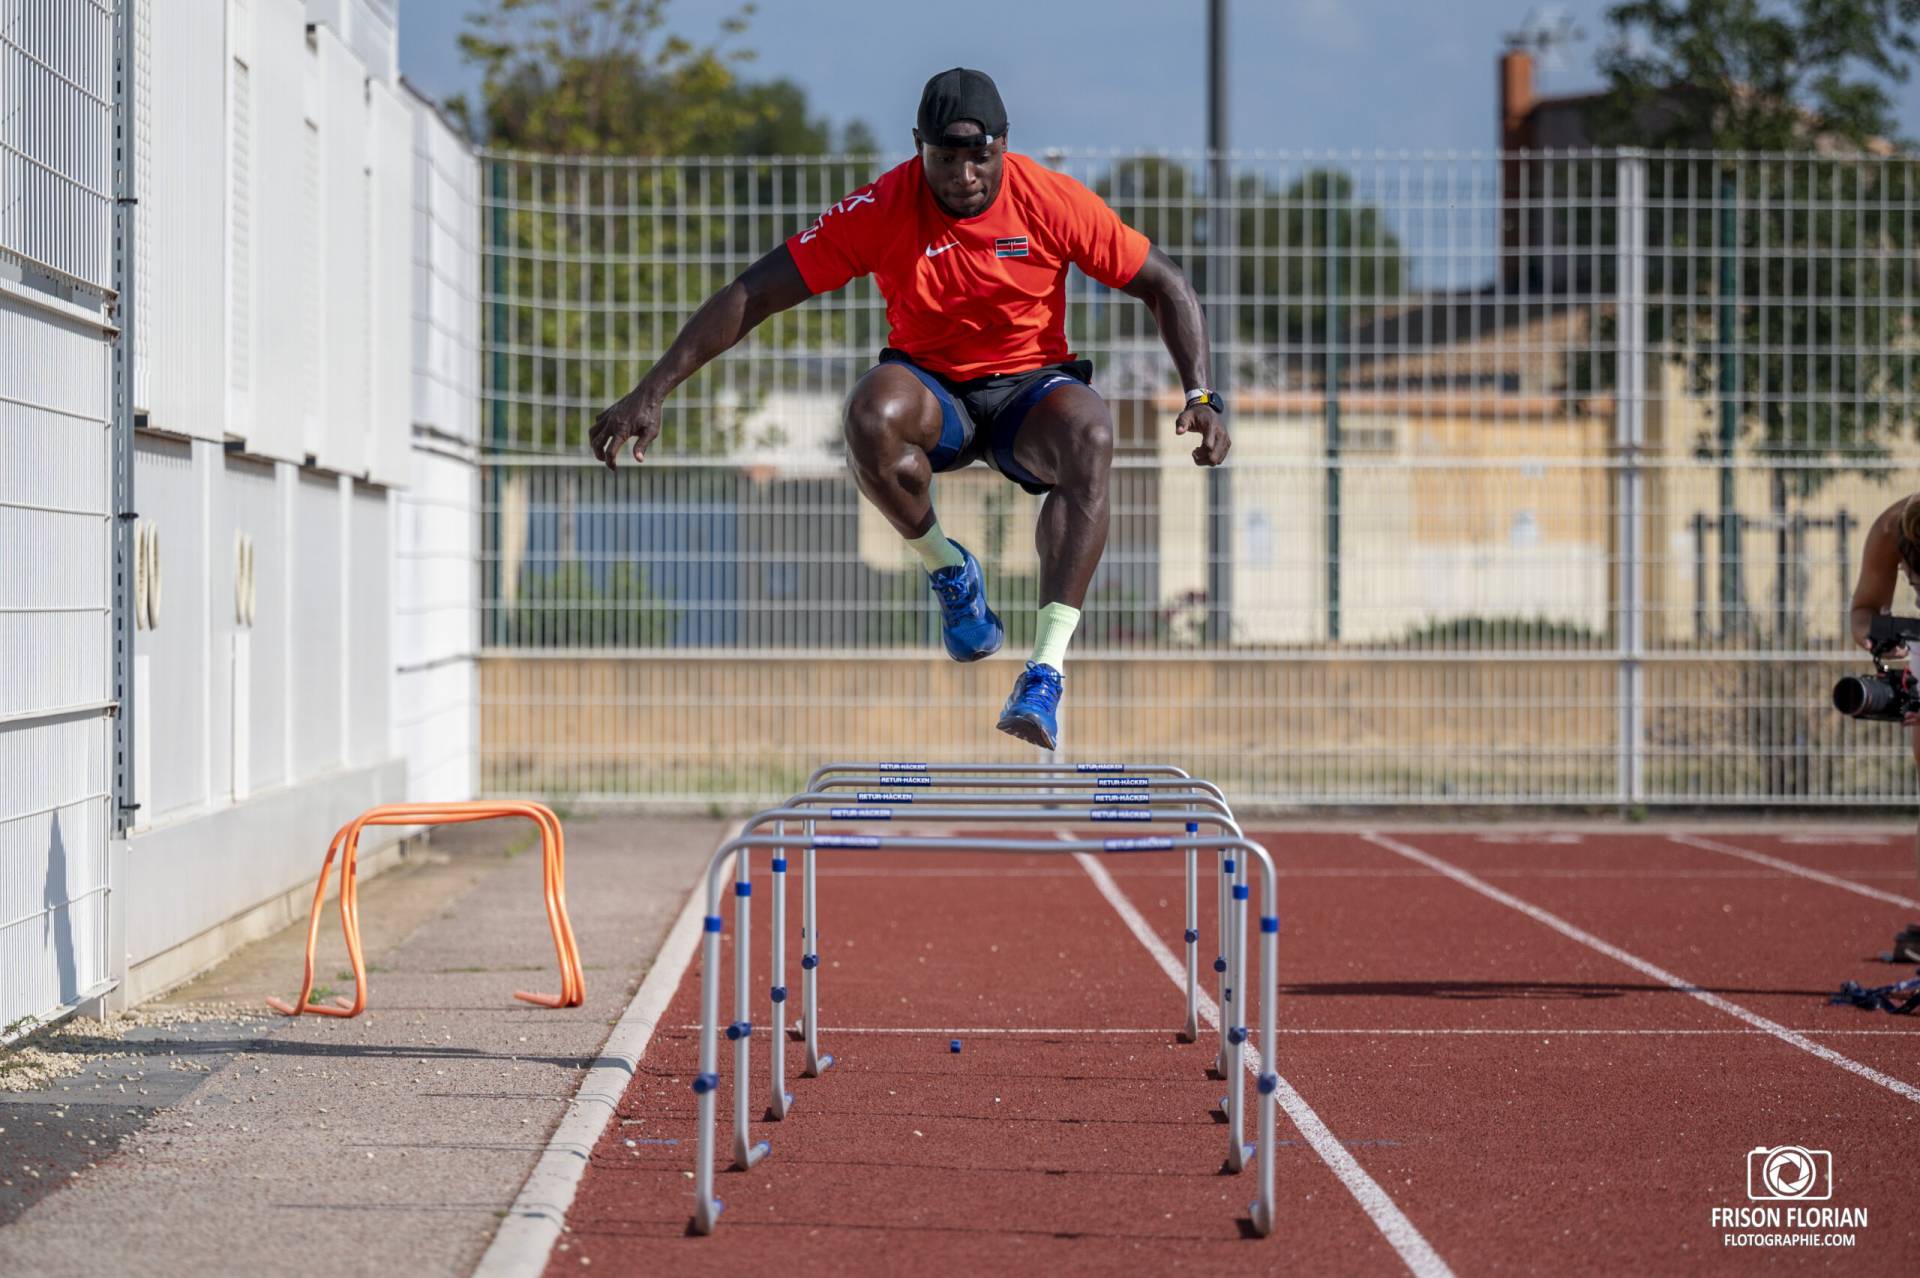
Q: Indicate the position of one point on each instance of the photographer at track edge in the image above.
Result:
(1892, 551)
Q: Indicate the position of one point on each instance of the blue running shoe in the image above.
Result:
(967, 626)
(1031, 712)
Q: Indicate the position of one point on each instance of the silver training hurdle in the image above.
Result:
(746, 1153)
(894, 779)
(1099, 806)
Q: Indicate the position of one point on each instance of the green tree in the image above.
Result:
(605, 77)
(1290, 244)
(1753, 75)
(593, 266)
(1783, 286)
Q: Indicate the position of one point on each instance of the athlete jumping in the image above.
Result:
(969, 244)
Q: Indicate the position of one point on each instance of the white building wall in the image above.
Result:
(56, 189)
(390, 188)
(285, 238)
(180, 224)
(437, 517)
(306, 316)
(279, 297)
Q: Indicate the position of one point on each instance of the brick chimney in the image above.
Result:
(1516, 99)
(1516, 133)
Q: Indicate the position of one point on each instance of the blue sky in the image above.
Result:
(1306, 74)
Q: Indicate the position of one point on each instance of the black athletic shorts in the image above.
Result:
(980, 418)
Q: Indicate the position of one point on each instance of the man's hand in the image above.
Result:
(637, 417)
(1214, 443)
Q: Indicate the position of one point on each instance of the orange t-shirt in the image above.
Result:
(971, 296)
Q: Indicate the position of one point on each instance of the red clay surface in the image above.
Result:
(1527, 1101)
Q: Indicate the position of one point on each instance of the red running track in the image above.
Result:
(1539, 1051)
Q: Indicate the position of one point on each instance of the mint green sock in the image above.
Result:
(935, 551)
(1053, 634)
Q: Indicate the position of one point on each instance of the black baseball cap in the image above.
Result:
(956, 95)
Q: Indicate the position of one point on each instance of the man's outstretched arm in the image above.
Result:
(1183, 328)
(766, 288)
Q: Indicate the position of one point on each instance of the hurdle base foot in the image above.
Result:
(778, 1109)
(1238, 1159)
(1262, 1217)
(744, 1159)
(705, 1217)
(333, 1007)
(816, 1067)
(542, 1000)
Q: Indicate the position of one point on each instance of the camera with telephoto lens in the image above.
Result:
(1890, 693)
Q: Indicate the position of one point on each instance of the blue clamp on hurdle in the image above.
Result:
(1269, 922)
(778, 993)
(704, 1083)
(740, 1029)
(1238, 1034)
(809, 961)
(1193, 934)
(743, 889)
(779, 865)
(1239, 891)
(1219, 965)
(712, 923)
(1228, 865)
(1269, 1084)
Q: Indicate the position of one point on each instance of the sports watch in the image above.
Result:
(1205, 398)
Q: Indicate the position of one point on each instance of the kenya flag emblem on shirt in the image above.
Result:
(1012, 246)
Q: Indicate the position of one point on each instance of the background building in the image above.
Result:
(303, 490)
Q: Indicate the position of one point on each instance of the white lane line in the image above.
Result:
(1790, 867)
(1349, 1031)
(1321, 872)
(524, 1242)
(1638, 964)
(1417, 1253)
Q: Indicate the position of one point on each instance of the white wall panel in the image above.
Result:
(435, 599)
(182, 223)
(446, 267)
(53, 512)
(56, 104)
(390, 295)
(168, 479)
(54, 529)
(53, 866)
(281, 269)
(434, 617)
(345, 341)
(251, 506)
(369, 625)
(316, 679)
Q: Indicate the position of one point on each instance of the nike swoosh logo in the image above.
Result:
(936, 252)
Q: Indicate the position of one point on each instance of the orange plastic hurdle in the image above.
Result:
(346, 845)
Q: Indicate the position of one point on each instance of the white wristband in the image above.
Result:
(1197, 394)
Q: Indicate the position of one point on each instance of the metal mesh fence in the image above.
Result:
(56, 181)
(1549, 481)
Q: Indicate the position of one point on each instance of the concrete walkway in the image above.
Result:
(234, 1141)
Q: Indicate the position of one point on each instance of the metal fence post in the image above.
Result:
(1630, 437)
(1222, 272)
